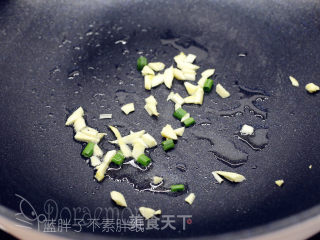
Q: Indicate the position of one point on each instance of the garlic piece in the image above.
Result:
(168, 132)
(74, 116)
(147, 71)
(157, 66)
(222, 92)
(179, 131)
(149, 140)
(148, 212)
(217, 177)
(94, 161)
(294, 81)
(312, 88)
(128, 108)
(231, 176)
(79, 124)
(148, 81)
(157, 180)
(279, 182)
(102, 168)
(118, 198)
(247, 130)
(190, 198)
(168, 77)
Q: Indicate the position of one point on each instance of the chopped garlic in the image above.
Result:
(105, 116)
(128, 108)
(217, 177)
(97, 151)
(190, 198)
(191, 89)
(80, 136)
(129, 139)
(115, 132)
(312, 88)
(138, 149)
(156, 66)
(185, 117)
(190, 99)
(294, 81)
(178, 74)
(123, 146)
(151, 106)
(157, 180)
(149, 140)
(199, 96)
(151, 100)
(247, 130)
(189, 76)
(231, 176)
(190, 58)
(202, 81)
(148, 212)
(74, 116)
(148, 81)
(168, 77)
(118, 198)
(158, 212)
(179, 131)
(222, 92)
(90, 131)
(168, 132)
(147, 71)
(310, 166)
(151, 110)
(176, 98)
(79, 124)
(176, 106)
(207, 73)
(180, 58)
(102, 168)
(157, 80)
(186, 65)
(94, 161)
(279, 182)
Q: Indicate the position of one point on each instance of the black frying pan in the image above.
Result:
(58, 55)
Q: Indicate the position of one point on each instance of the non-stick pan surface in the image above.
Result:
(59, 55)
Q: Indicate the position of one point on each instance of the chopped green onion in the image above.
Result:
(179, 113)
(188, 122)
(177, 188)
(168, 144)
(118, 158)
(144, 160)
(88, 150)
(208, 85)
(141, 62)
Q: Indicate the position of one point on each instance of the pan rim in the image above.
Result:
(308, 216)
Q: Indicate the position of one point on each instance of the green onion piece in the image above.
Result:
(208, 85)
(179, 113)
(144, 160)
(189, 121)
(88, 150)
(141, 62)
(118, 158)
(177, 188)
(168, 144)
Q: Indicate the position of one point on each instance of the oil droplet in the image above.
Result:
(123, 42)
(257, 141)
(223, 149)
(73, 74)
